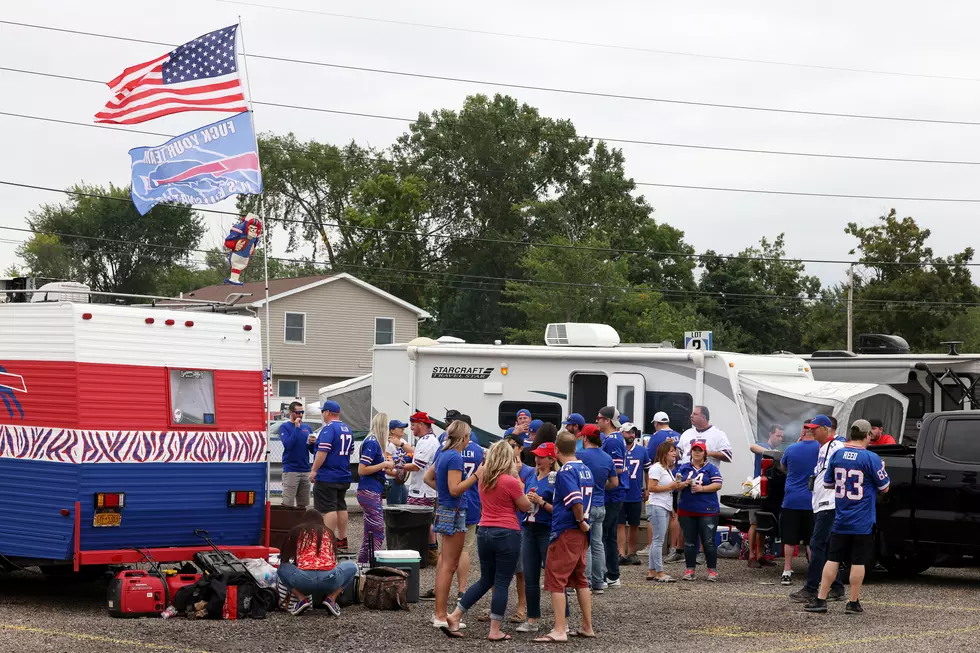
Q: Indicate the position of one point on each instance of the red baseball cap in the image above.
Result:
(699, 444)
(545, 449)
(421, 416)
(589, 429)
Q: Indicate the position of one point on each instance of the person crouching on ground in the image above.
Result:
(310, 564)
(498, 539)
(698, 509)
(451, 482)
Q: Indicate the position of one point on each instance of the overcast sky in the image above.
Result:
(894, 36)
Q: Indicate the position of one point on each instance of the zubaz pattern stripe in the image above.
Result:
(77, 446)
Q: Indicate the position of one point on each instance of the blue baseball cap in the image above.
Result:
(624, 418)
(509, 431)
(819, 420)
(525, 411)
(395, 424)
(535, 425)
(575, 418)
(330, 406)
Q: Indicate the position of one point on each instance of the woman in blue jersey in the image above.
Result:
(698, 508)
(540, 489)
(371, 484)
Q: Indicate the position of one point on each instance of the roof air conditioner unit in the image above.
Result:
(574, 334)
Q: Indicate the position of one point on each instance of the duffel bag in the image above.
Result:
(385, 588)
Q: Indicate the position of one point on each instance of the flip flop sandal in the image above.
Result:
(505, 638)
(548, 639)
(518, 618)
(451, 634)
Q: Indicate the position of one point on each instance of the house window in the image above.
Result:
(384, 330)
(191, 397)
(296, 328)
(288, 388)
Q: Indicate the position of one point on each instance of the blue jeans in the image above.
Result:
(499, 550)
(703, 528)
(536, 540)
(309, 582)
(659, 521)
(396, 494)
(823, 522)
(610, 537)
(595, 560)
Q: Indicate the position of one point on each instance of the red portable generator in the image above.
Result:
(134, 593)
(175, 581)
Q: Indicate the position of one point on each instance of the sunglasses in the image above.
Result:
(299, 412)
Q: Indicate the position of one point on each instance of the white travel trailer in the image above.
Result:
(583, 367)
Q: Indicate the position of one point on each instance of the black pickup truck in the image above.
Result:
(932, 507)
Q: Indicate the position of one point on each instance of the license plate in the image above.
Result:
(107, 519)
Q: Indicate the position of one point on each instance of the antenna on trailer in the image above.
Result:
(952, 347)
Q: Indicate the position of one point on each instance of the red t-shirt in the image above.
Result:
(884, 439)
(499, 503)
(307, 557)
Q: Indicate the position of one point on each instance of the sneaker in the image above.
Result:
(527, 627)
(331, 605)
(853, 607)
(816, 605)
(429, 595)
(674, 556)
(754, 564)
(597, 590)
(300, 607)
(701, 559)
(342, 544)
(786, 578)
(766, 562)
(689, 574)
(713, 575)
(623, 560)
(803, 596)
(836, 594)
(633, 559)
(614, 583)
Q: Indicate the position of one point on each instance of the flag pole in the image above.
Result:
(265, 253)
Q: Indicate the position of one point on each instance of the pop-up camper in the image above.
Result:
(583, 367)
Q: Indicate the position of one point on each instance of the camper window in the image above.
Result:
(546, 412)
(191, 397)
(960, 442)
(917, 405)
(677, 405)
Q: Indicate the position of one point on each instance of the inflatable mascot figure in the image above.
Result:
(241, 243)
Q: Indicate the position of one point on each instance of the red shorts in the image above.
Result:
(565, 565)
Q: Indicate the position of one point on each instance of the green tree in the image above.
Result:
(105, 243)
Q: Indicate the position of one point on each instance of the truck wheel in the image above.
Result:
(907, 565)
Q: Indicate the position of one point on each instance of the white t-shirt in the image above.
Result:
(425, 453)
(714, 437)
(823, 498)
(663, 477)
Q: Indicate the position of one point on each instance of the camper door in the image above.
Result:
(627, 392)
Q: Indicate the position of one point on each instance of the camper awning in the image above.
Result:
(791, 401)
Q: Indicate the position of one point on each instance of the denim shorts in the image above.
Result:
(449, 521)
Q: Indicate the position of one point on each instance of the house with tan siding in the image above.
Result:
(322, 327)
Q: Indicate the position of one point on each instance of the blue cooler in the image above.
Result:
(408, 561)
(728, 534)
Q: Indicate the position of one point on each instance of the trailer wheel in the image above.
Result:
(907, 565)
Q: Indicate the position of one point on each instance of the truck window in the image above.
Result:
(677, 405)
(191, 397)
(544, 411)
(960, 441)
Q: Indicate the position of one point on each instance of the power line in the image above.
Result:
(501, 241)
(530, 87)
(608, 46)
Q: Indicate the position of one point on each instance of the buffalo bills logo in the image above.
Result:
(9, 384)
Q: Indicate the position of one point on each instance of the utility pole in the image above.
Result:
(850, 309)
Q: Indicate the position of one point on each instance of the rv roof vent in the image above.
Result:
(832, 353)
(450, 340)
(574, 334)
(880, 343)
(61, 291)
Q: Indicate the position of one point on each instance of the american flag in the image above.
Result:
(201, 75)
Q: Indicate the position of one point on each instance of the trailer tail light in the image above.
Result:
(247, 327)
(86, 316)
(169, 322)
(149, 320)
(241, 498)
(110, 499)
(763, 478)
(188, 323)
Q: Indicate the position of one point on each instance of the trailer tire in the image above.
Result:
(907, 565)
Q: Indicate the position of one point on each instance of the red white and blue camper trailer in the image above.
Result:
(125, 428)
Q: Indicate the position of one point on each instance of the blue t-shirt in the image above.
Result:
(573, 484)
(296, 448)
(615, 446)
(601, 465)
(637, 465)
(337, 442)
(442, 439)
(658, 438)
(544, 489)
(525, 473)
(856, 475)
(705, 503)
(800, 459)
(448, 460)
(472, 457)
(371, 455)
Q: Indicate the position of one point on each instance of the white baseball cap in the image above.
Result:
(661, 418)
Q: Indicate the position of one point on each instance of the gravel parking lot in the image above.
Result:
(746, 612)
